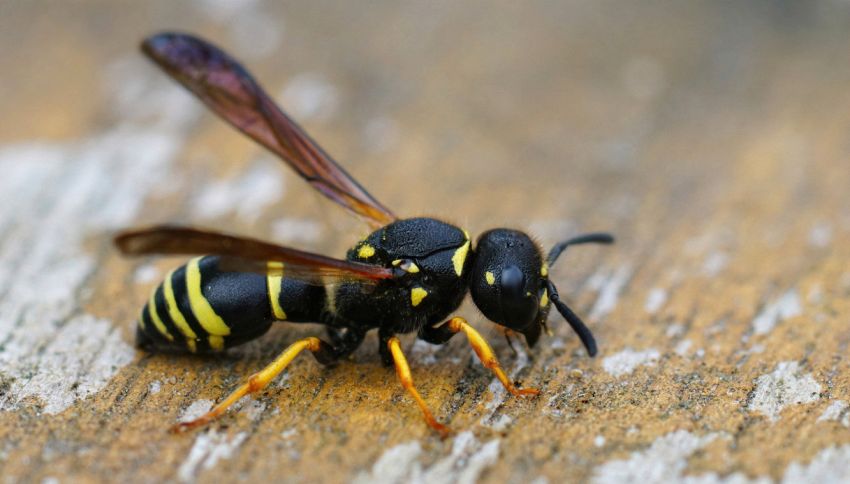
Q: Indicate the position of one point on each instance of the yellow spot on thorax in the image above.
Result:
(459, 257)
(417, 294)
(544, 299)
(544, 270)
(212, 323)
(365, 251)
(275, 281)
(491, 279)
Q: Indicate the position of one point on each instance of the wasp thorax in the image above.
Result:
(506, 283)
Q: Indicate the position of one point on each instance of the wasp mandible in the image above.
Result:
(407, 276)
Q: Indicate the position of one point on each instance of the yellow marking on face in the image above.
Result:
(397, 262)
(160, 326)
(544, 299)
(175, 313)
(413, 269)
(201, 308)
(544, 270)
(460, 257)
(216, 342)
(491, 279)
(417, 294)
(365, 251)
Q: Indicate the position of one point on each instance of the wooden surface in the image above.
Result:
(712, 137)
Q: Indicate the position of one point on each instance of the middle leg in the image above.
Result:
(403, 371)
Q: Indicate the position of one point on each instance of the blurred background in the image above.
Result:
(711, 137)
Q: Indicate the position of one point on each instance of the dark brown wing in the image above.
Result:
(247, 255)
(230, 91)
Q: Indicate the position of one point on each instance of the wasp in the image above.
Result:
(408, 275)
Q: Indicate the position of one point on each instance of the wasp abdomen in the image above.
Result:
(201, 309)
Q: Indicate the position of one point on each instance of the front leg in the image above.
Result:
(486, 355)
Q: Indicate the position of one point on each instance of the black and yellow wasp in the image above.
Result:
(406, 276)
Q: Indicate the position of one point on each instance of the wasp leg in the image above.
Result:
(403, 371)
(485, 354)
(436, 335)
(384, 338)
(323, 352)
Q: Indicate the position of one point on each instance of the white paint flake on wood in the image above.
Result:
(310, 96)
(245, 196)
(787, 306)
(786, 385)
(836, 411)
(60, 202)
(195, 410)
(655, 300)
(208, 449)
(666, 460)
(402, 463)
(829, 466)
(626, 361)
(820, 235)
(609, 292)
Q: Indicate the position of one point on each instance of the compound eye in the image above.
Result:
(513, 282)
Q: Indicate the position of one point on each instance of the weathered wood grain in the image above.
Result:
(712, 138)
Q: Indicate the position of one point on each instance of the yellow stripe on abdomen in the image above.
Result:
(160, 326)
(201, 308)
(216, 342)
(176, 315)
(275, 282)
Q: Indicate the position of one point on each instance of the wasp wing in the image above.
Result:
(247, 255)
(230, 91)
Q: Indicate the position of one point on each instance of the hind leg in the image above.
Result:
(323, 352)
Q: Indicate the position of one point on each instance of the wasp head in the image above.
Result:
(510, 283)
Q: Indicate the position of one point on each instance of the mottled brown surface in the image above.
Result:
(712, 137)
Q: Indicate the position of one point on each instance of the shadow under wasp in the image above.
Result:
(407, 276)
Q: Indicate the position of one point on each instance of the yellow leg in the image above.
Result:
(403, 371)
(255, 383)
(485, 354)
